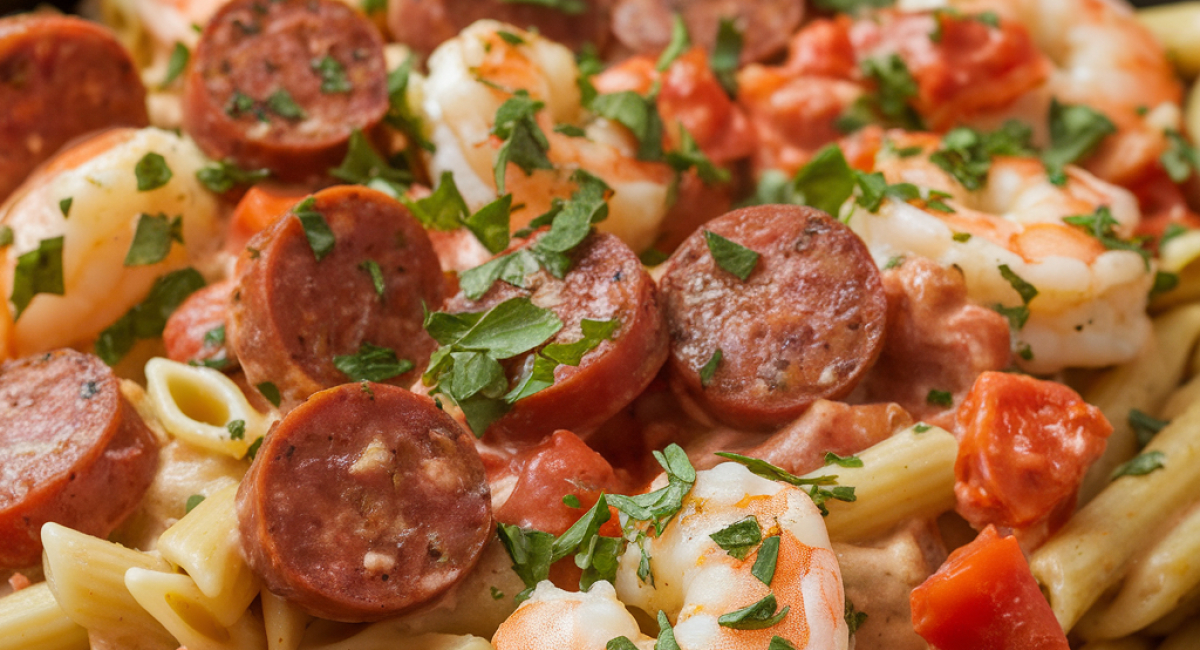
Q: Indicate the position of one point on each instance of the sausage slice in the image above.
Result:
(805, 325)
(365, 501)
(644, 26)
(292, 314)
(606, 281)
(60, 77)
(282, 84)
(425, 24)
(72, 450)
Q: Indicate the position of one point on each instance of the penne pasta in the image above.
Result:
(205, 545)
(907, 476)
(283, 621)
(203, 407)
(30, 619)
(176, 602)
(1177, 27)
(87, 576)
(1089, 555)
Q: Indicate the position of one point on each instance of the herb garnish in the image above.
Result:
(147, 319)
(152, 239)
(38, 271)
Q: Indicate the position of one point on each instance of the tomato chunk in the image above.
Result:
(1024, 446)
(985, 598)
(259, 208)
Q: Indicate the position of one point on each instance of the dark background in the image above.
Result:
(13, 6)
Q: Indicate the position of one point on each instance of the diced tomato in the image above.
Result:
(985, 598)
(1024, 446)
(260, 207)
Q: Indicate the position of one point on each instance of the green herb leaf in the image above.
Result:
(252, 451)
(176, 64)
(652, 257)
(38, 271)
(237, 429)
(1180, 158)
(852, 6)
(400, 115)
(570, 130)
(826, 181)
(490, 224)
(147, 319)
(64, 206)
(939, 398)
(730, 255)
(512, 327)
(1163, 283)
(333, 75)
(530, 552)
(1172, 231)
(726, 55)
(240, 104)
(888, 104)
(152, 172)
(581, 531)
(620, 643)
(966, 154)
(757, 616)
(1075, 130)
(844, 461)
(768, 557)
(921, 427)
(574, 221)
(524, 143)
(223, 176)
(710, 368)
(192, 502)
(444, 209)
(282, 104)
(780, 643)
(1102, 225)
(739, 538)
(316, 229)
(666, 635)
(594, 333)
(269, 391)
(373, 6)
(1140, 465)
(819, 488)
(364, 166)
(152, 239)
(376, 273)
(680, 42)
(1145, 426)
(6, 236)
(569, 7)
(1027, 291)
(571, 501)
(690, 156)
(660, 506)
(638, 114)
(854, 618)
(372, 363)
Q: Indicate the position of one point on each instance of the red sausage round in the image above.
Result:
(60, 78)
(606, 281)
(282, 84)
(425, 24)
(291, 313)
(364, 502)
(72, 448)
(644, 26)
(195, 332)
(805, 325)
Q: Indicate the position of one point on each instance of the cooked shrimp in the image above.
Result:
(1089, 310)
(472, 75)
(88, 195)
(695, 581)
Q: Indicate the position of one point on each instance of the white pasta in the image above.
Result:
(382, 637)
(198, 404)
(31, 619)
(205, 544)
(283, 621)
(907, 476)
(176, 602)
(87, 576)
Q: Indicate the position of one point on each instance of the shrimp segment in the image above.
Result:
(472, 75)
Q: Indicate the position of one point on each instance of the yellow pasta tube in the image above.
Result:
(1142, 384)
(1177, 27)
(1157, 581)
(284, 622)
(176, 602)
(1090, 554)
(382, 636)
(910, 475)
(87, 576)
(203, 406)
(205, 544)
(31, 619)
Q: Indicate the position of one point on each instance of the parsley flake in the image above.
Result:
(820, 489)
(333, 75)
(768, 558)
(152, 172)
(316, 229)
(680, 42)
(237, 429)
(376, 273)
(523, 144)
(854, 618)
(64, 206)
(710, 368)
(726, 55)
(843, 461)
(730, 255)
(757, 616)
(739, 538)
(252, 451)
(176, 64)
(364, 166)
(147, 319)
(192, 502)
(1102, 225)
(282, 104)
(942, 398)
(569, 7)
(638, 114)
(1145, 427)
(38, 271)
(152, 239)
(372, 363)
(223, 176)
(1075, 131)
(6, 236)
(1140, 465)
(270, 392)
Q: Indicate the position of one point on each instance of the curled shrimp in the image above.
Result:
(88, 195)
(473, 74)
(1090, 302)
(695, 582)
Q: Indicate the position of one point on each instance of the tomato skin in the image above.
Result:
(259, 208)
(1024, 447)
(985, 598)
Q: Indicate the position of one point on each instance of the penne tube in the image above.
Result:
(1177, 27)
(202, 406)
(205, 545)
(284, 622)
(1142, 384)
(30, 619)
(1157, 581)
(176, 602)
(1089, 554)
(87, 576)
(907, 476)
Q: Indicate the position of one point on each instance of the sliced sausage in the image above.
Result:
(805, 325)
(291, 314)
(282, 84)
(72, 448)
(606, 281)
(60, 77)
(195, 332)
(425, 24)
(364, 502)
(644, 26)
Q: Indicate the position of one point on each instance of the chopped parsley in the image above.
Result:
(888, 104)
(1144, 426)
(1180, 158)
(730, 255)
(638, 114)
(152, 172)
(38, 271)
(739, 538)
(523, 142)
(220, 177)
(364, 166)
(252, 451)
(176, 64)
(757, 616)
(152, 239)
(1075, 131)
(6, 236)
(1102, 225)
(842, 461)
(726, 55)
(966, 154)
(939, 398)
(270, 391)
(710, 368)
(1140, 465)
(569, 7)
(147, 319)
(192, 502)
(768, 558)
(333, 75)
(237, 429)
(64, 206)
(372, 363)
(316, 229)
(282, 104)
(680, 42)
(854, 618)
(376, 273)
(690, 156)
(1017, 316)
(821, 488)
